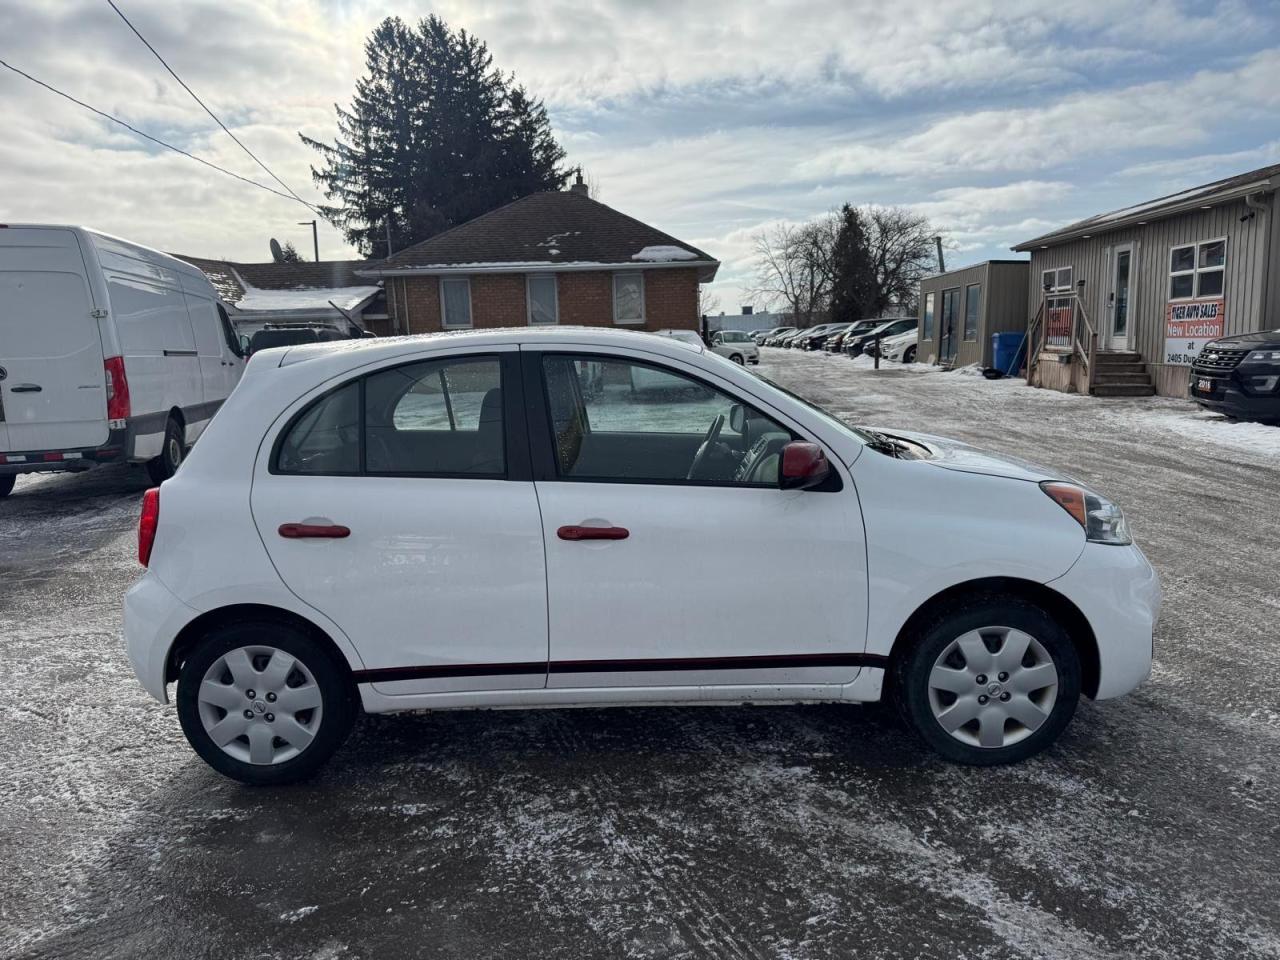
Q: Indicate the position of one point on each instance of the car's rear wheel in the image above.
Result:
(990, 680)
(264, 703)
(7, 481)
(163, 467)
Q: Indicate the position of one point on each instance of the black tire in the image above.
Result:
(909, 355)
(337, 701)
(172, 452)
(912, 672)
(737, 358)
(7, 480)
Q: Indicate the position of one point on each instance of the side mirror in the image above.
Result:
(244, 345)
(804, 466)
(737, 417)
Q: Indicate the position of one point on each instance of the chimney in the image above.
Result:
(579, 187)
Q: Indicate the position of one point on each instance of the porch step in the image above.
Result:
(1105, 369)
(1106, 357)
(1109, 377)
(1124, 390)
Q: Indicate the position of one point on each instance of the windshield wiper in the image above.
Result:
(881, 443)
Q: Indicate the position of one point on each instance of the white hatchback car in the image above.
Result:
(499, 519)
(736, 345)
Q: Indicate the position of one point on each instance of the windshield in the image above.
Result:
(860, 435)
(734, 336)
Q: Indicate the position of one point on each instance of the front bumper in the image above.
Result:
(153, 617)
(1228, 394)
(1118, 591)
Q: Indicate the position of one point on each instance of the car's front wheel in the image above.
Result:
(909, 355)
(990, 680)
(737, 358)
(264, 703)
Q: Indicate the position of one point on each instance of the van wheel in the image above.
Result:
(175, 444)
(909, 355)
(263, 703)
(6, 484)
(990, 680)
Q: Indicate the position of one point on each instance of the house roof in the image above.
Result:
(287, 287)
(556, 230)
(1206, 195)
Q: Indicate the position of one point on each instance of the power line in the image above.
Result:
(147, 136)
(194, 97)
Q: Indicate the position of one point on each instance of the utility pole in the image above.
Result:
(388, 226)
(315, 236)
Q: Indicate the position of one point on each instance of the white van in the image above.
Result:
(109, 352)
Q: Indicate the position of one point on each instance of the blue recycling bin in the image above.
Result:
(1006, 351)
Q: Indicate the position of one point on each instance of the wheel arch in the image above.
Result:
(1058, 606)
(191, 634)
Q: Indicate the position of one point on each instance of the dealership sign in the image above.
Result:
(1189, 325)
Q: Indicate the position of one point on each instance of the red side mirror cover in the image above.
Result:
(803, 465)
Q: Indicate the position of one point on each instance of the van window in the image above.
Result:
(229, 332)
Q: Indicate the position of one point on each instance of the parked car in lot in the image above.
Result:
(775, 340)
(762, 336)
(855, 345)
(900, 348)
(815, 337)
(835, 342)
(443, 522)
(736, 345)
(1240, 376)
(291, 334)
(109, 352)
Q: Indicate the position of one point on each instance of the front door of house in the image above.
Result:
(1119, 299)
(950, 326)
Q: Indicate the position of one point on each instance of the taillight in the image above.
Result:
(117, 389)
(147, 523)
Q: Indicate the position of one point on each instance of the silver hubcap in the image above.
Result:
(175, 452)
(260, 705)
(992, 687)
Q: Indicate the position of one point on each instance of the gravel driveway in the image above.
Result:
(1151, 830)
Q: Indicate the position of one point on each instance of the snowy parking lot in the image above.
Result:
(1150, 830)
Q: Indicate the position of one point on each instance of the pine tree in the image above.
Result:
(853, 284)
(434, 136)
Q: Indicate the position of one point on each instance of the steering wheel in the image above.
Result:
(713, 434)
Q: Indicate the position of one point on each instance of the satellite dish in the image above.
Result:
(276, 253)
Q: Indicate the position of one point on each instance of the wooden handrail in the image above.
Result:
(1035, 341)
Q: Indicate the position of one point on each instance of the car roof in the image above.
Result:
(372, 349)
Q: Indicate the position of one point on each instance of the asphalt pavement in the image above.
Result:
(1150, 830)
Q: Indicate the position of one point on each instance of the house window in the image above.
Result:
(928, 316)
(455, 301)
(1056, 281)
(541, 294)
(1197, 270)
(628, 297)
(972, 294)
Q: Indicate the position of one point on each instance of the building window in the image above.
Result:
(541, 294)
(1197, 270)
(455, 302)
(972, 294)
(628, 297)
(928, 316)
(1056, 281)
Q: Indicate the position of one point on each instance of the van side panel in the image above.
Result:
(53, 388)
(219, 367)
(153, 329)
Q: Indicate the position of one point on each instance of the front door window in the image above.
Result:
(1120, 321)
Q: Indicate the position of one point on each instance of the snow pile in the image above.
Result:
(661, 254)
(301, 298)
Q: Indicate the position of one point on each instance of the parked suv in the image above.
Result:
(815, 338)
(499, 519)
(853, 346)
(1240, 376)
(736, 345)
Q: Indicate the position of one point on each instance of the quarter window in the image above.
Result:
(972, 297)
(1197, 270)
(618, 420)
(628, 297)
(325, 440)
(543, 305)
(455, 301)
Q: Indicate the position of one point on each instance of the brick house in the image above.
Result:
(548, 258)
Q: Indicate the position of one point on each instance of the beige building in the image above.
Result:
(961, 309)
(1121, 303)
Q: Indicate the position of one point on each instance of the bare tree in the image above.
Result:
(708, 302)
(794, 267)
(902, 251)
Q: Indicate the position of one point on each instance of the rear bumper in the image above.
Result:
(153, 616)
(115, 450)
(1119, 593)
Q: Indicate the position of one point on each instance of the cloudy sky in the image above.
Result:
(998, 119)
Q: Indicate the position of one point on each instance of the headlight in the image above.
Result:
(1263, 356)
(1102, 520)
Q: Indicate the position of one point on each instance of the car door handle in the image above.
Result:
(313, 531)
(593, 533)
(26, 388)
